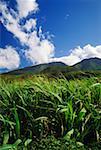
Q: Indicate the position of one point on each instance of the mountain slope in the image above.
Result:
(37, 69)
(91, 64)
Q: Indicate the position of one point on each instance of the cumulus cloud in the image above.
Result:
(10, 21)
(26, 6)
(78, 54)
(9, 58)
(30, 24)
(39, 47)
(41, 53)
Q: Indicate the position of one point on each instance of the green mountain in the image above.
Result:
(37, 69)
(91, 64)
(54, 68)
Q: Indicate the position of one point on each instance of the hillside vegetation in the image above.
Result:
(55, 68)
(88, 64)
(40, 113)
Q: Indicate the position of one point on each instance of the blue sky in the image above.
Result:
(42, 31)
(73, 22)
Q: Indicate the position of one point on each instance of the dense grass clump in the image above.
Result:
(40, 113)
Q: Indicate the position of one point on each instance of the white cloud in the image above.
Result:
(40, 49)
(10, 21)
(78, 54)
(26, 6)
(9, 58)
(41, 53)
(30, 24)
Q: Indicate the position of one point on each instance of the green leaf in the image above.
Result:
(96, 84)
(27, 142)
(17, 142)
(64, 110)
(6, 147)
(17, 122)
(80, 144)
(69, 134)
(11, 146)
(82, 113)
(6, 138)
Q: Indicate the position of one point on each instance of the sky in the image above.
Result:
(42, 31)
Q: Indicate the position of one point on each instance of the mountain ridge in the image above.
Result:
(35, 69)
(91, 64)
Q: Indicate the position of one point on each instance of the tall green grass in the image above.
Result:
(34, 108)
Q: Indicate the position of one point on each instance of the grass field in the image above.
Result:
(38, 113)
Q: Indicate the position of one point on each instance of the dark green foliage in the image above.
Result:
(88, 65)
(51, 143)
(50, 113)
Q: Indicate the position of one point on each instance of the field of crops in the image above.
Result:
(38, 113)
